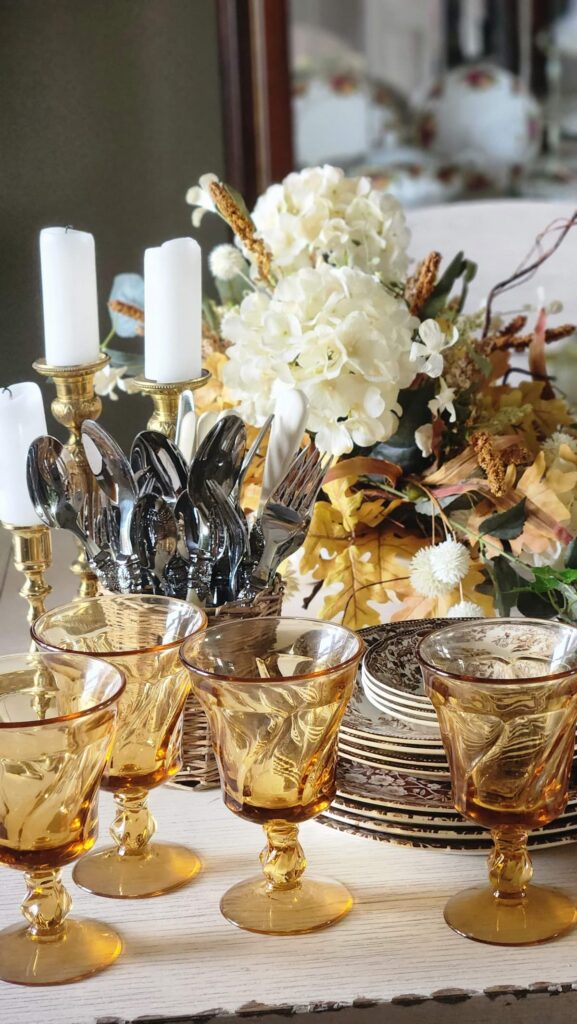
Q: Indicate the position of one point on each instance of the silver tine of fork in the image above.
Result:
(295, 480)
(308, 495)
(284, 487)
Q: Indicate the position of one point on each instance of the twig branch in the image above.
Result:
(525, 272)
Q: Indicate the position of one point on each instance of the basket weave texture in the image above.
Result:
(199, 770)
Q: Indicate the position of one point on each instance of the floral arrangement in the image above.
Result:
(454, 486)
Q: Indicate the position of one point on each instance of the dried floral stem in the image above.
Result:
(368, 586)
(525, 272)
(490, 460)
(521, 341)
(242, 226)
(421, 285)
(126, 309)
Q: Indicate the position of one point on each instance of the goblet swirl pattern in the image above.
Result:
(505, 693)
(275, 691)
(141, 634)
(57, 716)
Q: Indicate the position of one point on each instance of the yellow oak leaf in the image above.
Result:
(355, 508)
(345, 502)
(325, 539)
(539, 491)
(363, 571)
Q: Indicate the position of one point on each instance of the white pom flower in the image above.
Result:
(552, 445)
(226, 262)
(319, 214)
(465, 610)
(337, 335)
(422, 576)
(450, 561)
(434, 571)
(428, 351)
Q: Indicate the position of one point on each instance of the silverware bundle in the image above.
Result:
(158, 522)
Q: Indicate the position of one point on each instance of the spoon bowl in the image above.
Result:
(114, 475)
(157, 459)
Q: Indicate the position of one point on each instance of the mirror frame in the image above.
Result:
(255, 76)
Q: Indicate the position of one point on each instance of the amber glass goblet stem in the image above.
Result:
(283, 860)
(510, 868)
(133, 826)
(47, 904)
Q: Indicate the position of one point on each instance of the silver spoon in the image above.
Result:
(155, 457)
(56, 489)
(185, 433)
(112, 471)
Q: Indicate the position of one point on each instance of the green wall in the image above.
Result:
(109, 110)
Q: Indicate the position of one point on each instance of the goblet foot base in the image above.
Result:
(83, 947)
(541, 915)
(314, 903)
(161, 868)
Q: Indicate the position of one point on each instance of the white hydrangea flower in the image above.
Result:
(226, 262)
(422, 576)
(443, 401)
(450, 561)
(424, 439)
(200, 197)
(465, 610)
(338, 336)
(320, 214)
(428, 351)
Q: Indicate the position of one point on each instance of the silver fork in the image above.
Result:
(230, 544)
(287, 514)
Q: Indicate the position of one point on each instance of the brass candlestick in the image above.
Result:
(165, 399)
(32, 555)
(75, 402)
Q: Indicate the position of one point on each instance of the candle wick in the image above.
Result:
(6, 388)
(68, 228)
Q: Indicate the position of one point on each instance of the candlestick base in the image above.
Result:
(75, 402)
(165, 398)
(75, 398)
(32, 555)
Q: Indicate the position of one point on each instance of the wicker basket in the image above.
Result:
(199, 769)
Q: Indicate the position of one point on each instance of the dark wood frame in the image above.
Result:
(255, 75)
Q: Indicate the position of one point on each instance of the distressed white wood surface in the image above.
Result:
(182, 959)
(183, 962)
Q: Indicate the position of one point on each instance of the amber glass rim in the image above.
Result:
(276, 680)
(491, 680)
(129, 652)
(38, 723)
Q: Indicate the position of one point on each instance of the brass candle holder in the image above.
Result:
(75, 402)
(32, 556)
(165, 400)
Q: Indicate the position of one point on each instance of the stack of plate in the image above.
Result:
(393, 781)
(392, 679)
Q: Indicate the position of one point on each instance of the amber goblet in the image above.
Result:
(57, 716)
(274, 691)
(505, 693)
(141, 634)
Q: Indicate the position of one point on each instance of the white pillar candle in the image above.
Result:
(69, 296)
(21, 420)
(173, 311)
